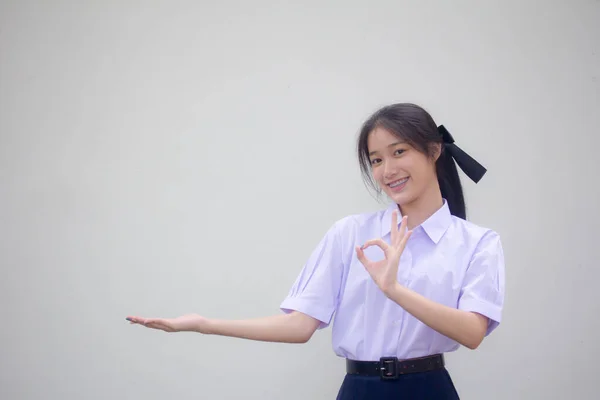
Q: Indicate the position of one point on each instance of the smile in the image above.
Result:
(398, 185)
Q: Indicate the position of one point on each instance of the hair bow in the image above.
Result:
(470, 167)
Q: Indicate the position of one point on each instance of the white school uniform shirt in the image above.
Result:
(447, 259)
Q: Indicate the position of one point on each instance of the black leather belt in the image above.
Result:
(391, 367)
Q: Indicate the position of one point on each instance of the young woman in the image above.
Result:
(406, 284)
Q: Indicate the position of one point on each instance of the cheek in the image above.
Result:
(377, 174)
(423, 172)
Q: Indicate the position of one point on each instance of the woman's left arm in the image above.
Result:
(479, 309)
(466, 327)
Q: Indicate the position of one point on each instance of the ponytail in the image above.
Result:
(450, 184)
(447, 172)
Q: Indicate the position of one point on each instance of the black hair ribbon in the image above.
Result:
(468, 164)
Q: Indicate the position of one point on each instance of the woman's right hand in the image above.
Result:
(185, 323)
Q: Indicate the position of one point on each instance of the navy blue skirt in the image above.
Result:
(432, 385)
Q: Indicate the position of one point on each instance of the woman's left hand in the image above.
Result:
(385, 272)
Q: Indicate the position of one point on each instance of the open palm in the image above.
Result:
(385, 272)
(189, 322)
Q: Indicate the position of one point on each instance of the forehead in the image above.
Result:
(380, 138)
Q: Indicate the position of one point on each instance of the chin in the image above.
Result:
(401, 198)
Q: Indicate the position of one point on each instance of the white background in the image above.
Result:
(160, 158)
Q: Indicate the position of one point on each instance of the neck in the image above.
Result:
(423, 207)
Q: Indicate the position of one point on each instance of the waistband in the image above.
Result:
(392, 368)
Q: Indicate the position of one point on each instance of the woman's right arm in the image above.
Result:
(294, 327)
(314, 293)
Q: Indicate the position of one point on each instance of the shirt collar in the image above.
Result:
(435, 226)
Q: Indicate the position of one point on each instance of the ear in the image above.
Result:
(437, 151)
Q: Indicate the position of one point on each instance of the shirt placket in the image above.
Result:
(404, 269)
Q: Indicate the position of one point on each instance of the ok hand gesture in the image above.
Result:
(385, 272)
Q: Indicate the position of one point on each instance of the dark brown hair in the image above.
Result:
(416, 127)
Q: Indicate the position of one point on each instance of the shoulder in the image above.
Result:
(476, 237)
(365, 221)
(472, 231)
(355, 228)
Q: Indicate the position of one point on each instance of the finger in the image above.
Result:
(154, 325)
(404, 225)
(152, 322)
(160, 324)
(376, 242)
(400, 232)
(144, 321)
(405, 240)
(394, 228)
(135, 320)
(360, 254)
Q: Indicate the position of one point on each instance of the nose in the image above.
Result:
(389, 170)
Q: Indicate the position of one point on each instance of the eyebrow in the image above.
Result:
(390, 145)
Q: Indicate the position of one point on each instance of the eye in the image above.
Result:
(399, 152)
(375, 161)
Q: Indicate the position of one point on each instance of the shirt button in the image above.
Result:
(396, 322)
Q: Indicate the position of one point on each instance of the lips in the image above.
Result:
(398, 185)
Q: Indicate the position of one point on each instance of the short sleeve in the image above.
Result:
(483, 287)
(316, 289)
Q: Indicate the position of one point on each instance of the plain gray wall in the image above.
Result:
(160, 158)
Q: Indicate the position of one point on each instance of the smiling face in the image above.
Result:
(403, 173)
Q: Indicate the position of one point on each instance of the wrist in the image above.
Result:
(206, 326)
(393, 291)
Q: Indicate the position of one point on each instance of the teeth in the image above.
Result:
(398, 183)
